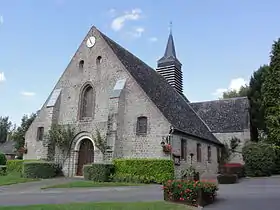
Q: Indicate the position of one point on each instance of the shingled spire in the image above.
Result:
(170, 67)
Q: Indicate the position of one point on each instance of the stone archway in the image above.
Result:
(85, 148)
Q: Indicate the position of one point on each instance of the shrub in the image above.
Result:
(3, 159)
(155, 170)
(14, 166)
(233, 168)
(42, 170)
(98, 172)
(133, 178)
(259, 159)
(188, 191)
(276, 169)
(3, 170)
(227, 178)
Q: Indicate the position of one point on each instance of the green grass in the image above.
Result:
(83, 184)
(14, 178)
(103, 206)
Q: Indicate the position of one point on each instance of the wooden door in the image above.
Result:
(85, 156)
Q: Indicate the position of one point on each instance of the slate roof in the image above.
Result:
(172, 105)
(8, 148)
(224, 116)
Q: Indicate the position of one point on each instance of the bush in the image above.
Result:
(3, 159)
(42, 170)
(3, 170)
(98, 172)
(259, 159)
(133, 178)
(233, 168)
(151, 170)
(276, 169)
(14, 166)
(227, 178)
(188, 191)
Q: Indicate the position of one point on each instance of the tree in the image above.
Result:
(256, 102)
(242, 92)
(5, 126)
(271, 95)
(19, 134)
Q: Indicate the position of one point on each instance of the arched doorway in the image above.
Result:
(85, 155)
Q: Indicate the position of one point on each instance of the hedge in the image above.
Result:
(98, 172)
(259, 159)
(276, 169)
(3, 170)
(227, 178)
(150, 170)
(42, 170)
(3, 159)
(16, 165)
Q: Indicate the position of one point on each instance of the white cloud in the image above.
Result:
(235, 84)
(1, 19)
(137, 32)
(2, 77)
(28, 94)
(153, 39)
(119, 22)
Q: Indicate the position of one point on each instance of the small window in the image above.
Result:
(141, 125)
(98, 60)
(198, 152)
(81, 64)
(183, 149)
(209, 154)
(40, 133)
(218, 154)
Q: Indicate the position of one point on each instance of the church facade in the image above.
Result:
(136, 108)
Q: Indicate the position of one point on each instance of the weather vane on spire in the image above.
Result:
(170, 27)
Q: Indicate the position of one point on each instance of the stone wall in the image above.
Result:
(205, 168)
(242, 136)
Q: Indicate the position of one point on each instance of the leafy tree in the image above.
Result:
(19, 134)
(242, 92)
(5, 126)
(256, 102)
(271, 95)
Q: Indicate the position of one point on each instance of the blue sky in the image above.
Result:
(220, 43)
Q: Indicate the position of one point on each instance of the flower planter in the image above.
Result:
(167, 148)
(190, 192)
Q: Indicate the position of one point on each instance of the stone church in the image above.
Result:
(136, 108)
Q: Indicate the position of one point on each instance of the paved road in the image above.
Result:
(250, 194)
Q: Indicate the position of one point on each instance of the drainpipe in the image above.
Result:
(171, 131)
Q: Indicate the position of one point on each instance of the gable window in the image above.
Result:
(40, 133)
(142, 123)
(183, 149)
(209, 154)
(81, 64)
(87, 102)
(198, 152)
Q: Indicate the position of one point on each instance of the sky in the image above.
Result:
(220, 43)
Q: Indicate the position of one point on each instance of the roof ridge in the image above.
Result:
(170, 103)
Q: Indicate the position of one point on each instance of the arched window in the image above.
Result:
(87, 102)
(142, 124)
(209, 154)
(81, 64)
(98, 60)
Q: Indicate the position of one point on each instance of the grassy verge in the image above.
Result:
(14, 178)
(103, 206)
(84, 184)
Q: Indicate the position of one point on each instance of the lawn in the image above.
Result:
(82, 184)
(103, 206)
(14, 178)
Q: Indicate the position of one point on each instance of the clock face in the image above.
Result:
(90, 41)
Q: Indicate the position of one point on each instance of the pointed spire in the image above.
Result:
(170, 52)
